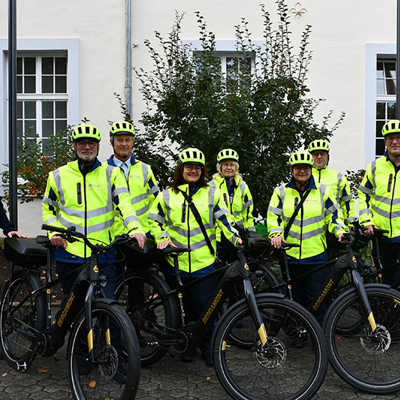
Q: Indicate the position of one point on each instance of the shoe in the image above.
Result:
(189, 354)
(207, 357)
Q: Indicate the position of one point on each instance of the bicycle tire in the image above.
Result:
(115, 373)
(151, 305)
(368, 364)
(17, 345)
(283, 370)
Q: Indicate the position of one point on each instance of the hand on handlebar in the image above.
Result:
(277, 241)
(165, 243)
(15, 234)
(140, 238)
(369, 230)
(343, 238)
(58, 241)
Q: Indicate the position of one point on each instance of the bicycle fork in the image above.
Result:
(358, 281)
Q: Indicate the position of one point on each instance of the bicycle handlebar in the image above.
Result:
(172, 250)
(70, 233)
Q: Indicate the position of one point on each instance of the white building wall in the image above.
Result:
(341, 32)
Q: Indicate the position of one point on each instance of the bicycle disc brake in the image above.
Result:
(107, 359)
(377, 342)
(273, 354)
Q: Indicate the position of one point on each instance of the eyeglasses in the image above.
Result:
(84, 143)
(189, 167)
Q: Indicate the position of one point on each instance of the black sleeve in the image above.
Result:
(5, 223)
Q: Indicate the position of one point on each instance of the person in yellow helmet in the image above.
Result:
(335, 181)
(317, 213)
(235, 195)
(173, 223)
(84, 194)
(379, 202)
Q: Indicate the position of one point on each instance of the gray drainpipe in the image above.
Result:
(128, 72)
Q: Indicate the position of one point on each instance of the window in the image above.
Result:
(385, 99)
(42, 98)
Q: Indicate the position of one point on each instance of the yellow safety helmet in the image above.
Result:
(192, 155)
(122, 128)
(86, 131)
(392, 126)
(319, 144)
(301, 157)
(227, 154)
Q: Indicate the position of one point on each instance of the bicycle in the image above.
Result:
(275, 365)
(362, 316)
(102, 353)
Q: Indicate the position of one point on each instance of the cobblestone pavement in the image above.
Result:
(170, 379)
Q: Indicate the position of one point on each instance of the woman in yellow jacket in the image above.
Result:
(317, 214)
(235, 196)
(172, 223)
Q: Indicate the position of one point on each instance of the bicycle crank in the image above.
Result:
(273, 354)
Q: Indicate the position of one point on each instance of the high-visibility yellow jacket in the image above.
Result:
(171, 218)
(339, 186)
(240, 204)
(87, 201)
(379, 197)
(317, 214)
(143, 189)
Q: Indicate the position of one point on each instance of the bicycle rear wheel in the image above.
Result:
(288, 367)
(115, 370)
(368, 361)
(21, 316)
(145, 299)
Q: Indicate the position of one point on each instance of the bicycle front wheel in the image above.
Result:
(367, 360)
(112, 370)
(291, 365)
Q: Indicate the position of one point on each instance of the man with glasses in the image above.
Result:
(85, 194)
(379, 201)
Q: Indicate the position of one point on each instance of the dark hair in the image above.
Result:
(178, 177)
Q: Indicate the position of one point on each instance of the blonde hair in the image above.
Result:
(219, 165)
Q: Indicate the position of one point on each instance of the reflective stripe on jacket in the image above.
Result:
(339, 186)
(171, 218)
(87, 202)
(379, 196)
(318, 213)
(143, 189)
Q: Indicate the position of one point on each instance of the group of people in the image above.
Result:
(121, 195)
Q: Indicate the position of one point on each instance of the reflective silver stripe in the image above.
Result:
(100, 227)
(166, 202)
(276, 230)
(164, 235)
(383, 199)
(219, 213)
(332, 209)
(142, 210)
(396, 202)
(339, 226)
(322, 190)
(153, 190)
(139, 198)
(51, 220)
(308, 221)
(373, 170)
(351, 219)
(282, 192)
(381, 212)
(247, 204)
(365, 211)
(193, 232)
(145, 170)
(156, 217)
(396, 214)
(252, 228)
(120, 191)
(57, 179)
(242, 188)
(211, 193)
(193, 246)
(365, 190)
(306, 235)
(130, 219)
(340, 177)
(275, 210)
(236, 213)
(50, 202)
(347, 198)
(90, 214)
(68, 224)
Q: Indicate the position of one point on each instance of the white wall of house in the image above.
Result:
(346, 37)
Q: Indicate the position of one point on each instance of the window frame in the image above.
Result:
(39, 47)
